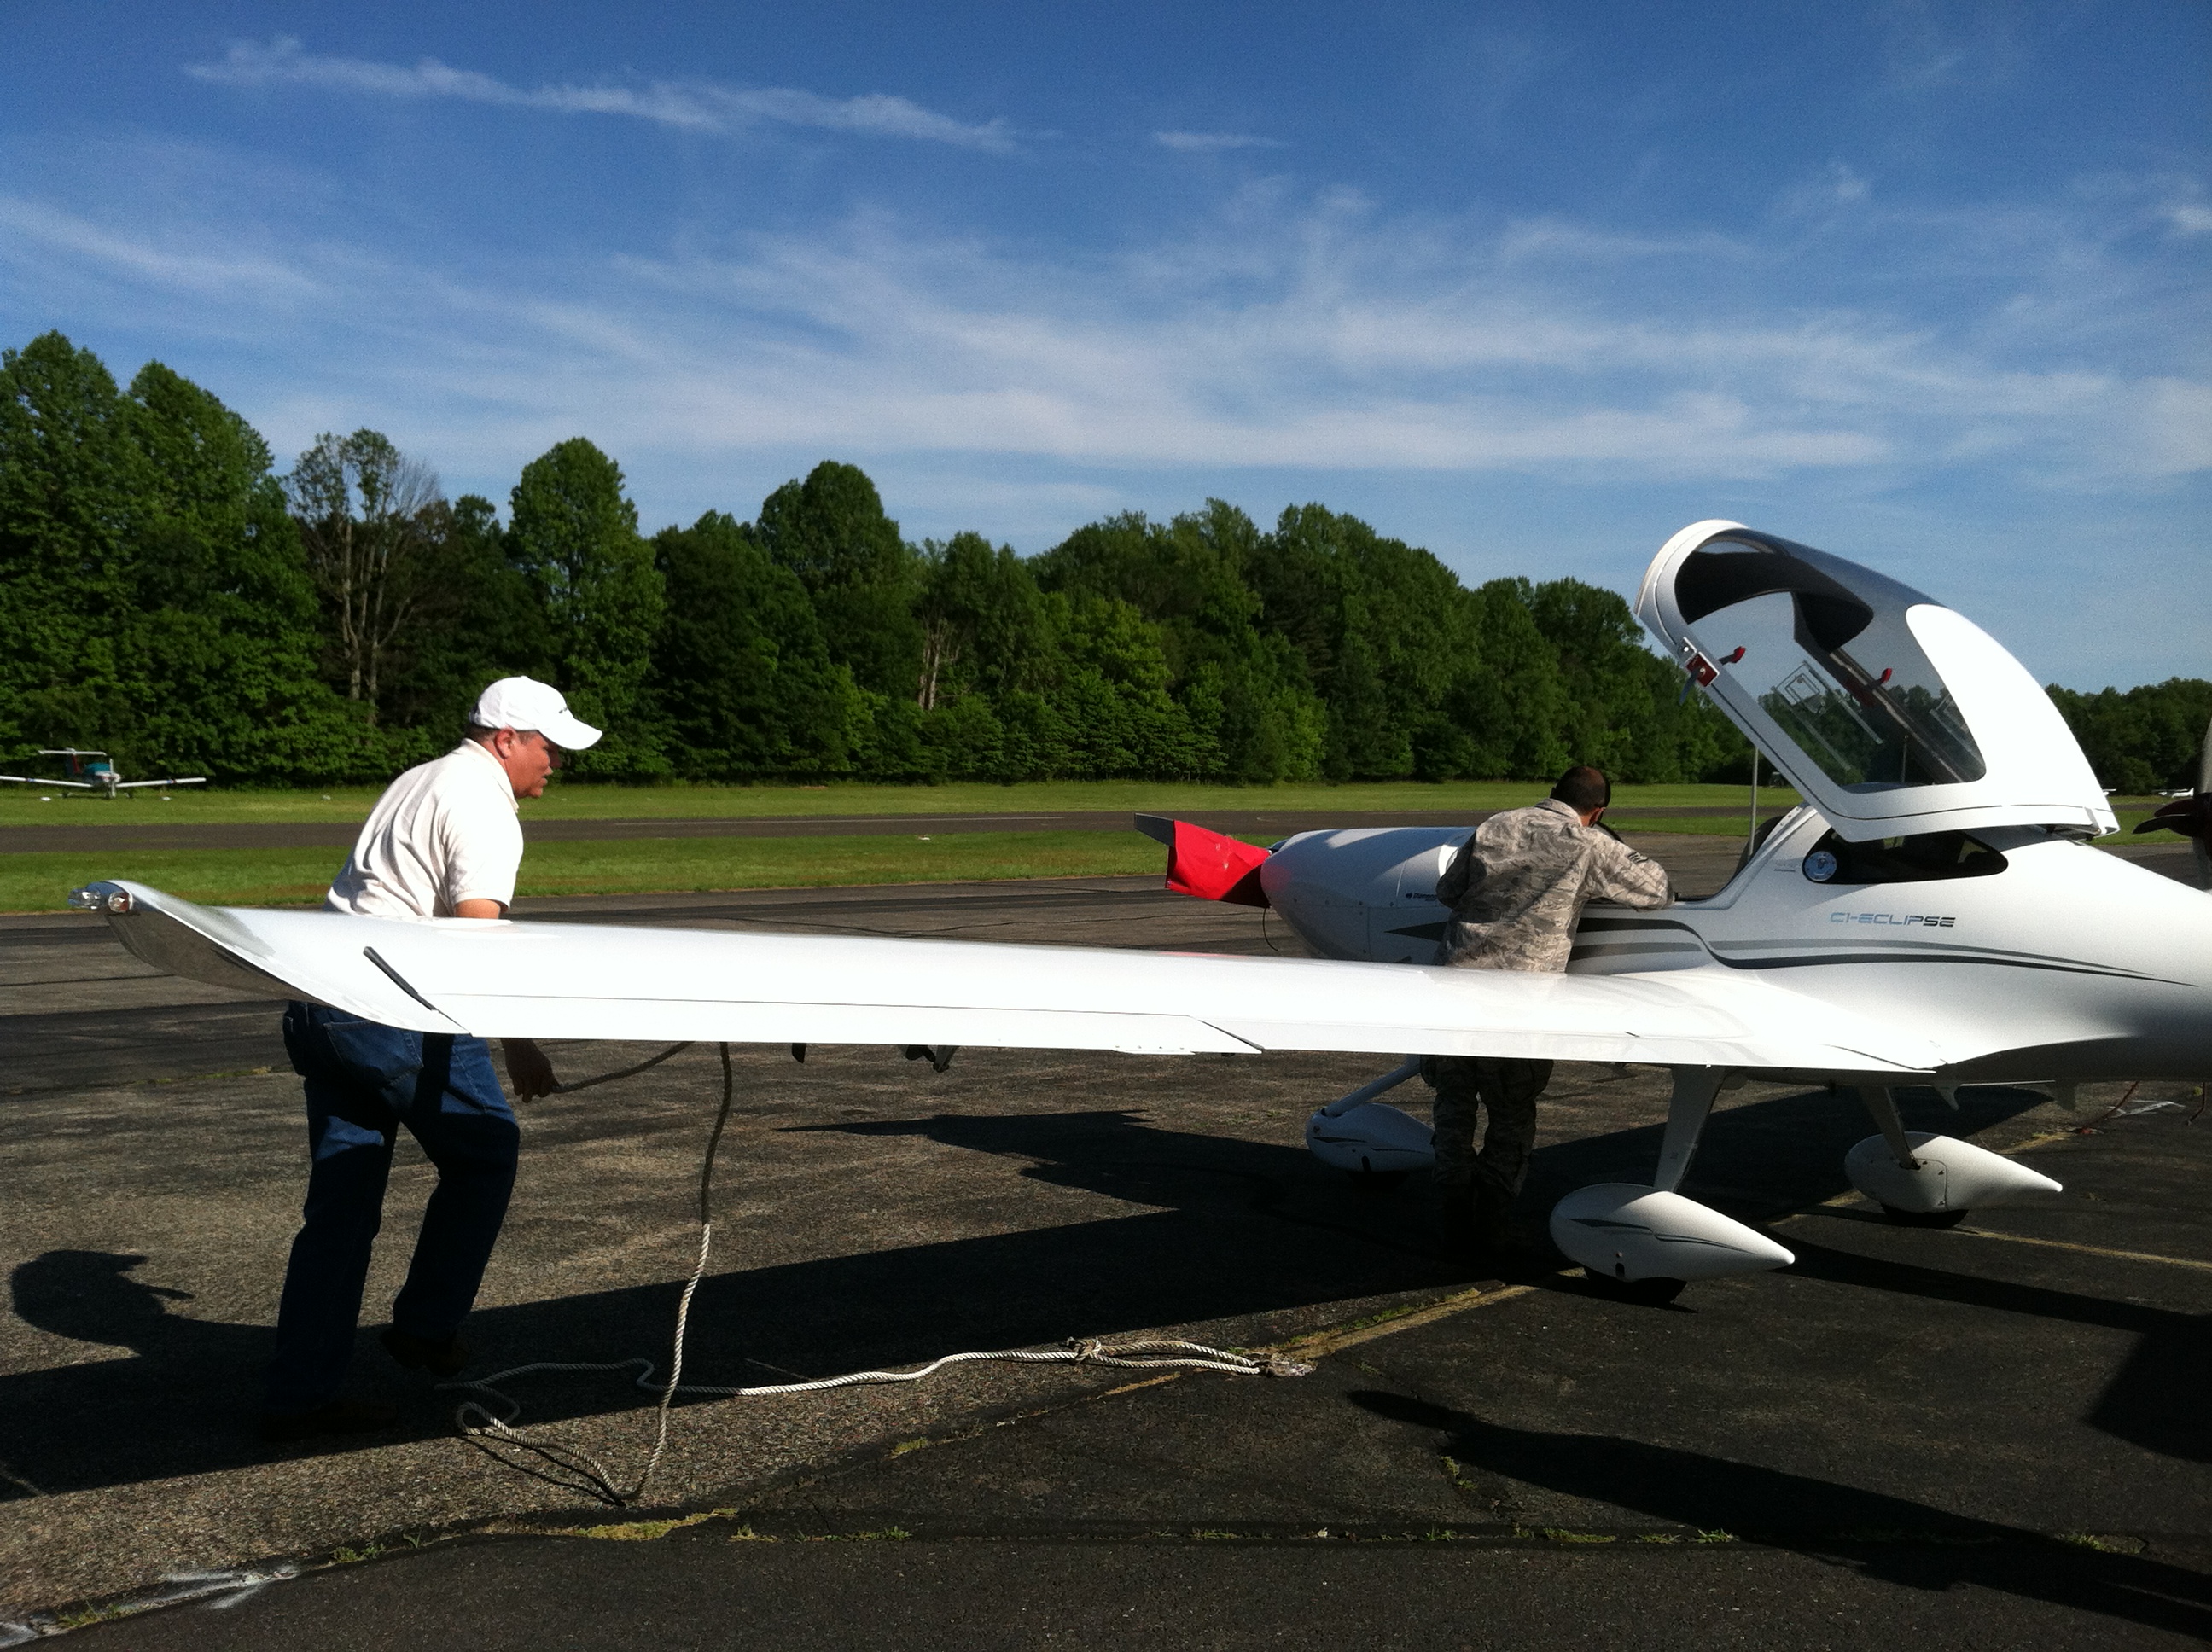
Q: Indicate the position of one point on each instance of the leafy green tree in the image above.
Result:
(1250, 711)
(831, 532)
(1509, 712)
(2142, 739)
(573, 533)
(220, 642)
(69, 483)
(741, 677)
(981, 614)
(487, 622)
(1108, 686)
(1624, 709)
(1392, 638)
(151, 584)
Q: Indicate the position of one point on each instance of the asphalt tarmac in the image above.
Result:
(1990, 1436)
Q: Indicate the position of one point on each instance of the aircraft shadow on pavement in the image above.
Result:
(2147, 1403)
(1762, 1159)
(1892, 1538)
(1236, 1228)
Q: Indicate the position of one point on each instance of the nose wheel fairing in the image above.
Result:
(1359, 1133)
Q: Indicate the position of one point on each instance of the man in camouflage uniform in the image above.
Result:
(1516, 889)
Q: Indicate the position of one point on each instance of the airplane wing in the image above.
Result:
(197, 780)
(573, 982)
(31, 780)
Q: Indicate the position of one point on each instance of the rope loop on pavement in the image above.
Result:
(489, 1418)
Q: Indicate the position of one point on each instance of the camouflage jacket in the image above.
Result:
(1518, 885)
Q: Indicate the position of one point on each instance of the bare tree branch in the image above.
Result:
(372, 520)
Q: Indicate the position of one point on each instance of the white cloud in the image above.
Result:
(1835, 187)
(1213, 143)
(2173, 433)
(1559, 239)
(697, 106)
(1320, 336)
(2189, 218)
(201, 268)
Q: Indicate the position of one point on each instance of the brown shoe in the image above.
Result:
(339, 1417)
(421, 1354)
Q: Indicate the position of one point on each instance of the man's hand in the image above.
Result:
(528, 1070)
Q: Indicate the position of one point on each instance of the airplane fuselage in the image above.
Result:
(2065, 965)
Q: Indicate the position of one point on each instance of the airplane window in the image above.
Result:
(1837, 669)
(1757, 841)
(1919, 859)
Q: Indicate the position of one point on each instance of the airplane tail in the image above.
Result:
(1205, 864)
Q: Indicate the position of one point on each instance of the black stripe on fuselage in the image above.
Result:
(1810, 960)
(1896, 952)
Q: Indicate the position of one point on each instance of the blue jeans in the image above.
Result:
(362, 1081)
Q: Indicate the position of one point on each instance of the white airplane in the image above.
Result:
(91, 771)
(1931, 915)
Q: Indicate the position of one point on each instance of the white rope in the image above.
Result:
(1080, 1350)
(477, 1418)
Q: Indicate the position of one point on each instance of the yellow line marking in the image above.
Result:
(1128, 1387)
(1319, 1342)
(2043, 1140)
(2088, 1250)
(2033, 1142)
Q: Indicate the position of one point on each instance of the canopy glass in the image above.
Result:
(1847, 683)
(1893, 713)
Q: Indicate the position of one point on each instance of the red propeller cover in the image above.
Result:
(1213, 867)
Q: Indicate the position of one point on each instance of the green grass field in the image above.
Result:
(39, 880)
(22, 806)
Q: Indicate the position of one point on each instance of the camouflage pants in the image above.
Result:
(1507, 1090)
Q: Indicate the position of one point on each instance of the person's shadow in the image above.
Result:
(183, 1403)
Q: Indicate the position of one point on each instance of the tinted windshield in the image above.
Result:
(1826, 649)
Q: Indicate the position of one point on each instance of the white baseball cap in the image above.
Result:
(526, 704)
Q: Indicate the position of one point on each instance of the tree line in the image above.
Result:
(2144, 739)
(167, 594)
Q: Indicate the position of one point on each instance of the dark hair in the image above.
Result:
(1583, 788)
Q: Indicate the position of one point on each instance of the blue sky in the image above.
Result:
(1532, 285)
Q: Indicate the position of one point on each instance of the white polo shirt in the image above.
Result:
(441, 834)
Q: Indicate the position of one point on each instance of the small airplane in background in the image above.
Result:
(92, 771)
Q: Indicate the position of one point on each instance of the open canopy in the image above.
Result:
(1892, 714)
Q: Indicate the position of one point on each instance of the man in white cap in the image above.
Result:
(443, 841)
